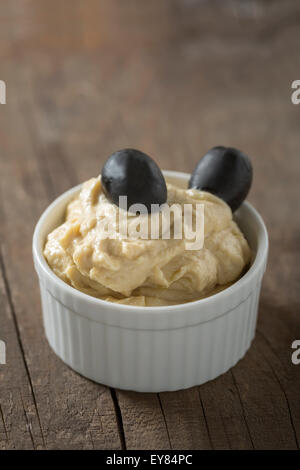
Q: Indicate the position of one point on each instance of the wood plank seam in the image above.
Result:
(28, 424)
(4, 424)
(242, 408)
(164, 418)
(205, 419)
(118, 418)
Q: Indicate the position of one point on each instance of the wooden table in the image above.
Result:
(172, 78)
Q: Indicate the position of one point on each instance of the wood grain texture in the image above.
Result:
(172, 78)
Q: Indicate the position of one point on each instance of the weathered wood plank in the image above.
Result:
(19, 420)
(264, 402)
(143, 421)
(186, 419)
(73, 412)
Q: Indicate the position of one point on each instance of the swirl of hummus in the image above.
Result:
(145, 272)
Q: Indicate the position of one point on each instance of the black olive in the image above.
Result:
(134, 174)
(225, 172)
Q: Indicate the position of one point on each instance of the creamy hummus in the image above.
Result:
(145, 272)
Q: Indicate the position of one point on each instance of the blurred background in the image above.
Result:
(172, 78)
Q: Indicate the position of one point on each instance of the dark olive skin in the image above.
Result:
(134, 174)
(225, 172)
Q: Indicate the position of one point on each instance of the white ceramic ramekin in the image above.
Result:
(151, 349)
